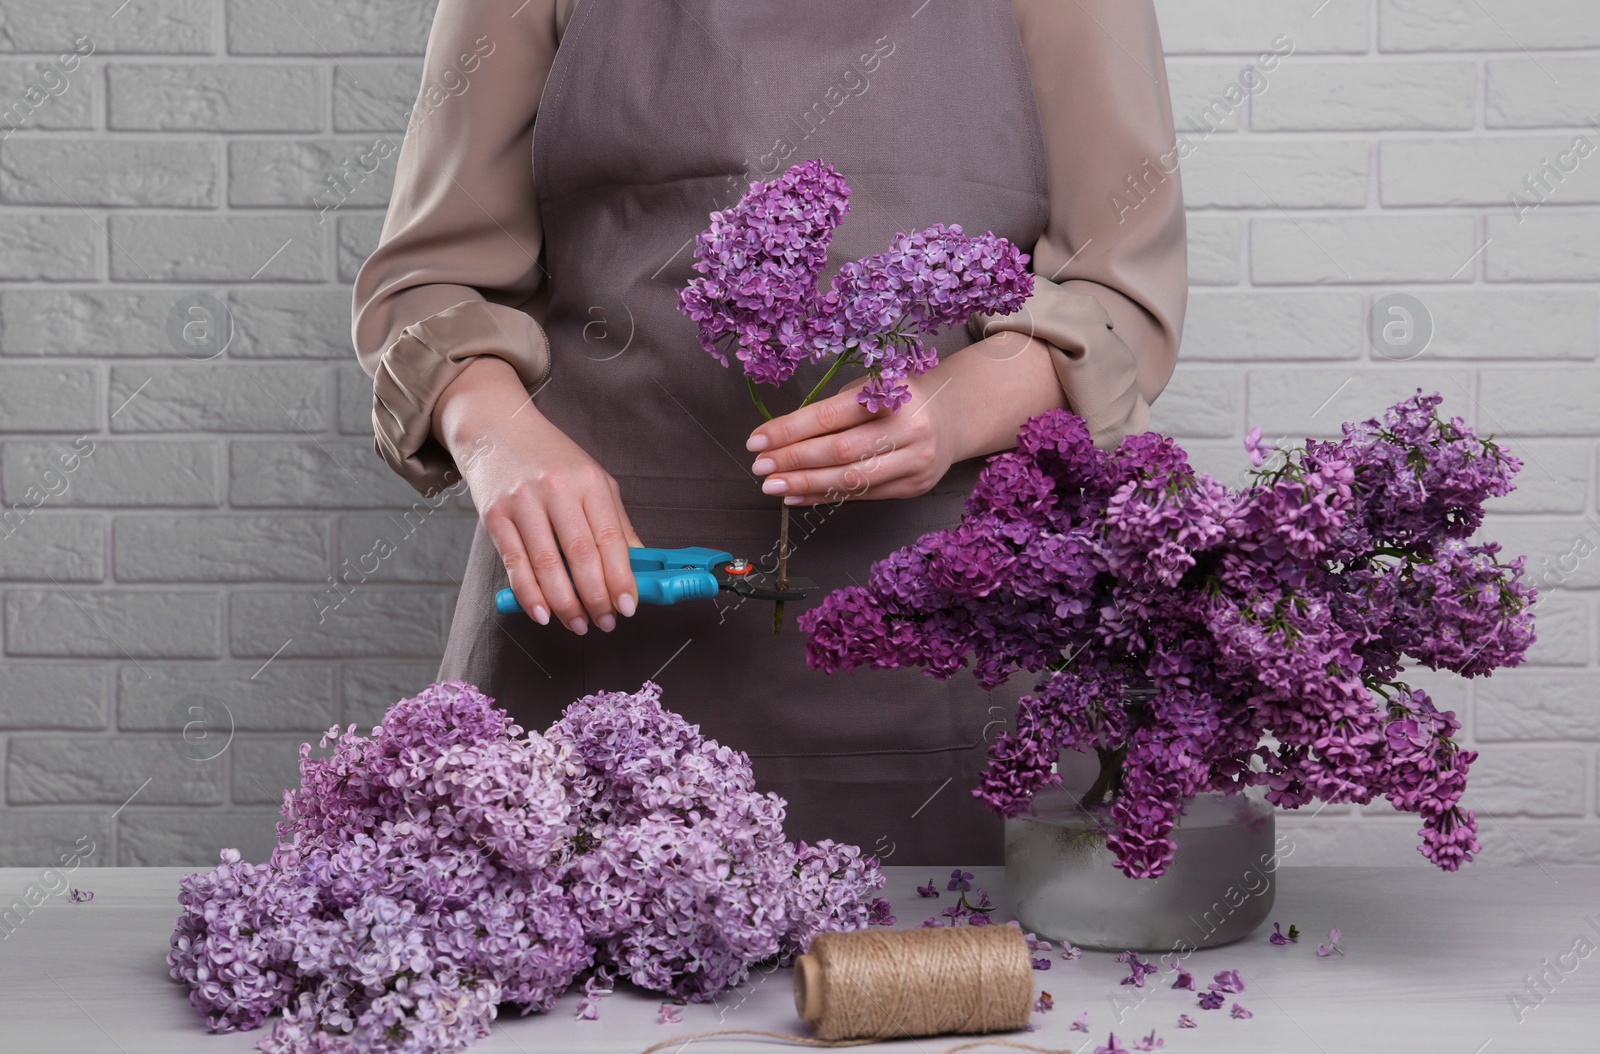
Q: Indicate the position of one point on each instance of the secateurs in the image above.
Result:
(666, 576)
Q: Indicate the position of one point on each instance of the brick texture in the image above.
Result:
(201, 553)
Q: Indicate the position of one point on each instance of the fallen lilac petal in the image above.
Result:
(1081, 1023)
(1042, 963)
(1333, 944)
(1150, 1042)
(1240, 1012)
(1044, 1004)
(1185, 979)
(960, 879)
(1070, 951)
(1185, 1021)
(670, 1014)
(1279, 938)
(80, 896)
(1211, 1000)
(929, 890)
(1111, 1047)
(1228, 981)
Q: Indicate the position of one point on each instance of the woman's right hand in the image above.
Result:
(539, 496)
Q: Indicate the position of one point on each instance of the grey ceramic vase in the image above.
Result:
(1218, 888)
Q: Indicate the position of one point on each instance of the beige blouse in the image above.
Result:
(456, 273)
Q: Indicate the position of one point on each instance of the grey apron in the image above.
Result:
(654, 115)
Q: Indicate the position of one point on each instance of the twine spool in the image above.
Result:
(883, 984)
(868, 985)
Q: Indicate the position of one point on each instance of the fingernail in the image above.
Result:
(579, 626)
(625, 604)
(763, 466)
(793, 499)
(606, 622)
(540, 615)
(756, 443)
(774, 486)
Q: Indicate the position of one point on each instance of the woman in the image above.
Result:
(523, 257)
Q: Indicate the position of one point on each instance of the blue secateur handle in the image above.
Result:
(664, 576)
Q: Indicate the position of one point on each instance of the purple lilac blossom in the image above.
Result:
(1283, 612)
(758, 289)
(759, 263)
(448, 863)
(1240, 1012)
(1185, 1021)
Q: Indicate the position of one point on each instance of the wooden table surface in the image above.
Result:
(1432, 963)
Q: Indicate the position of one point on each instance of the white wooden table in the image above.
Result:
(1432, 961)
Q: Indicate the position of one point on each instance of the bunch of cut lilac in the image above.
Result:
(759, 292)
(1202, 638)
(449, 863)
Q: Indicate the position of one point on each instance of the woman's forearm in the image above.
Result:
(488, 389)
(994, 386)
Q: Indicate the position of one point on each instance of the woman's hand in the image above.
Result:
(971, 404)
(535, 489)
(836, 448)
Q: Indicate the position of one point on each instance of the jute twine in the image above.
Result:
(871, 985)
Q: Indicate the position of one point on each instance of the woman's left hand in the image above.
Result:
(969, 405)
(836, 449)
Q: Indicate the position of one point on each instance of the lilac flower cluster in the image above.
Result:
(759, 265)
(448, 863)
(759, 287)
(1180, 625)
(880, 306)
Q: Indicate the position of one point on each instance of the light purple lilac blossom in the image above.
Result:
(449, 863)
(759, 287)
(1280, 613)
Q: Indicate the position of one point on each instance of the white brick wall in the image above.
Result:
(182, 563)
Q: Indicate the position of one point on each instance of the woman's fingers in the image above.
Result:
(573, 530)
(839, 448)
(507, 539)
(833, 414)
(894, 474)
(611, 537)
(545, 554)
(627, 525)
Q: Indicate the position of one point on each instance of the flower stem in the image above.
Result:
(839, 361)
(756, 396)
(1109, 779)
(783, 570)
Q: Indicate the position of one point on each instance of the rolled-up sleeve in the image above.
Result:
(1111, 268)
(457, 263)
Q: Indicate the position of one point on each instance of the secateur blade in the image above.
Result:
(742, 577)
